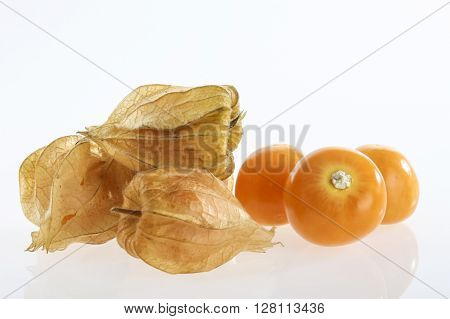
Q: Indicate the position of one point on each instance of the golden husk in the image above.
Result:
(171, 126)
(163, 164)
(67, 189)
(185, 221)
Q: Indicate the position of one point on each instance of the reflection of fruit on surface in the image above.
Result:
(398, 243)
(260, 182)
(401, 181)
(322, 272)
(335, 196)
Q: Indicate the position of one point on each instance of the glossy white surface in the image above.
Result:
(275, 53)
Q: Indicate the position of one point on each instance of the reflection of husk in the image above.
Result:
(162, 126)
(185, 221)
(67, 189)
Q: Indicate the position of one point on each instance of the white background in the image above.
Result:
(275, 53)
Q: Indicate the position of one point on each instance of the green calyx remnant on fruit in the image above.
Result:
(341, 180)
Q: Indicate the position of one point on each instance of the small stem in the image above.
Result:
(118, 210)
(341, 180)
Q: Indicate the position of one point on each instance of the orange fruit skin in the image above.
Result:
(260, 183)
(401, 181)
(328, 216)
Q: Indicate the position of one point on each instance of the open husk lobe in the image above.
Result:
(67, 189)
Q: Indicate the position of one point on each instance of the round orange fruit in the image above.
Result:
(261, 180)
(401, 181)
(335, 196)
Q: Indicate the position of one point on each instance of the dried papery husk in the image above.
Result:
(185, 221)
(229, 183)
(43, 163)
(74, 187)
(27, 187)
(161, 126)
